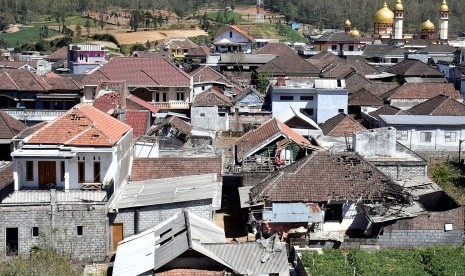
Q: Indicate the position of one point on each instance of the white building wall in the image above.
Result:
(350, 219)
(208, 118)
(413, 140)
(330, 104)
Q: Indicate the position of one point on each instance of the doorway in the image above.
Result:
(47, 174)
(12, 241)
(117, 234)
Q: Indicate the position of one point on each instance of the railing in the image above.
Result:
(34, 114)
(172, 105)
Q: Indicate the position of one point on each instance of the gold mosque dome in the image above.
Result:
(355, 33)
(398, 6)
(347, 23)
(444, 7)
(427, 26)
(384, 15)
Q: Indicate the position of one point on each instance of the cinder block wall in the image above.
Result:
(61, 232)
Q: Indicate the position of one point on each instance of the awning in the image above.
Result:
(58, 96)
(50, 154)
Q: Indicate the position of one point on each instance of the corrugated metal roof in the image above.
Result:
(245, 258)
(43, 196)
(169, 190)
(422, 120)
(246, 58)
(161, 244)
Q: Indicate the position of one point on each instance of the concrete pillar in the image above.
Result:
(398, 20)
(15, 174)
(66, 174)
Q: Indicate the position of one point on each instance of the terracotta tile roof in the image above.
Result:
(211, 97)
(355, 82)
(30, 130)
(95, 78)
(324, 176)
(208, 74)
(273, 128)
(22, 80)
(290, 65)
(201, 51)
(438, 48)
(63, 83)
(178, 43)
(134, 102)
(379, 88)
(422, 90)
(166, 167)
(277, 49)
(59, 54)
(387, 110)
(138, 120)
(6, 175)
(323, 59)
(9, 126)
(242, 32)
(176, 123)
(364, 98)
(6, 64)
(341, 68)
(370, 51)
(154, 71)
(340, 125)
(414, 68)
(191, 272)
(108, 102)
(440, 106)
(83, 125)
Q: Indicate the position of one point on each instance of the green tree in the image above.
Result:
(78, 30)
(87, 25)
(148, 45)
(263, 78)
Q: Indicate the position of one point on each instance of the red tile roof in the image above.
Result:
(154, 71)
(324, 176)
(208, 74)
(422, 90)
(211, 97)
(414, 68)
(290, 65)
(270, 130)
(63, 83)
(109, 102)
(138, 120)
(134, 102)
(166, 167)
(201, 51)
(22, 80)
(59, 54)
(242, 32)
(387, 110)
(364, 98)
(440, 105)
(323, 59)
(9, 126)
(340, 125)
(83, 125)
(6, 175)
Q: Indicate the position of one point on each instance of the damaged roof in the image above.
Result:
(322, 177)
(265, 134)
(211, 97)
(175, 122)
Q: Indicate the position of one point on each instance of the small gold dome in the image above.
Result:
(384, 15)
(398, 6)
(427, 26)
(347, 23)
(355, 33)
(444, 7)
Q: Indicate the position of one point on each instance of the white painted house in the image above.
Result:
(318, 99)
(82, 149)
(233, 39)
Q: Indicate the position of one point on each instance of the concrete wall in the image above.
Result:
(405, 104)
(59, 230)
(238, 120)
(379, 142)
(399, 171)
(437, 143)
(150, 216)
(81, 68)
(209, 118)
(122, 160)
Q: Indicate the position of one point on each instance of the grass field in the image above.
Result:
(23, 36)
(225, 16)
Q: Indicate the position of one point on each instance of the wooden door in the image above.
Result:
(117, 234)
(47, 174)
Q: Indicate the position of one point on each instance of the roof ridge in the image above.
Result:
(14, 83)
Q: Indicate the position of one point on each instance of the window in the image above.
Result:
(341, 110)
(402, 135)
(286, 98)
(96, 172)
(157, 97)
(222, 114)
(80, 230)
(306, 98)
(164, 97)
(426, 137)
(35, 232)
(333, 212)
(307, 111)
(230, 33)
(81, 172)
(351, 48)
(62, 170)
(450, 136)
(333, 47)
(202, 114)
(180, 96)
(30, 170)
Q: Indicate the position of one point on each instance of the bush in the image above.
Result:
(332, 262)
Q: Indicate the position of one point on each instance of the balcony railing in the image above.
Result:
(172, 105)
(34, 114)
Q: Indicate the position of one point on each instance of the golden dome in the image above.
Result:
(427, 26)
(444, 7)
(355, 33)
(384, 15)
(347, 23)
(398, 6)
